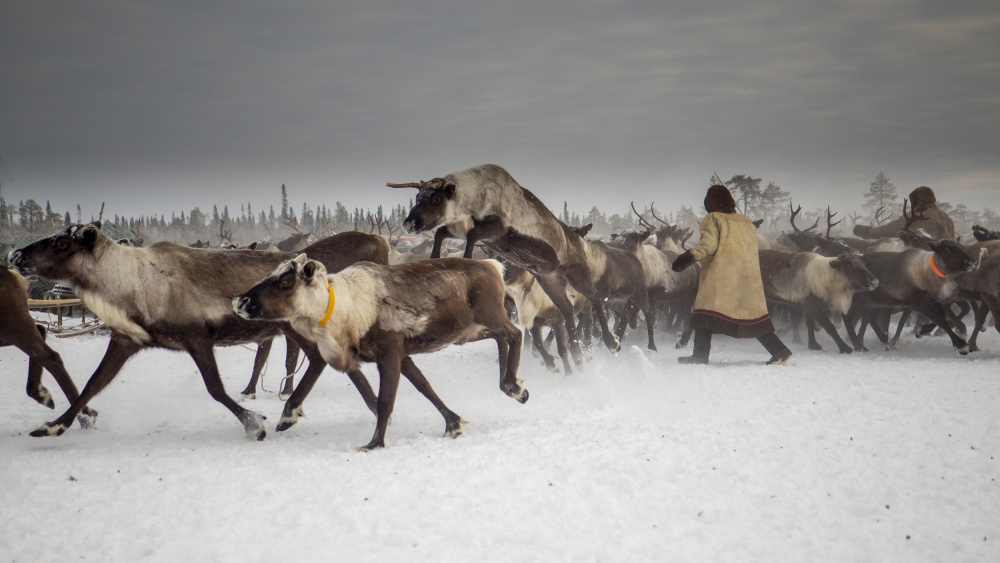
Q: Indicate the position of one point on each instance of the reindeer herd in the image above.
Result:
(352, 298)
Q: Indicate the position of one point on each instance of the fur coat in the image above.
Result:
(730, 297)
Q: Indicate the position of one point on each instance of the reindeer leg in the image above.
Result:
(291, 362)
(508, 340)
(34, 388)
(554, 285)
(547, 358)
(936, 313)
(120, 349)
(562, 345)
(389, 367)
(489, 227)
(259, 360)
(899, 329)
(810, 321)
(293, 406)
(981, 313)
(202, 353)
(824, 322)
(453, 424)
(439, 237)
(41, 355)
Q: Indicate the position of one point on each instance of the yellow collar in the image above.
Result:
(933, 267)
(329, 308)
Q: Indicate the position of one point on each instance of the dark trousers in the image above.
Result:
(703, 343)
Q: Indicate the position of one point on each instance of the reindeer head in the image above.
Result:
(431, 208)
(859, 277)
(289, 292)
(950, 257)
(59, 256)
(632, 239)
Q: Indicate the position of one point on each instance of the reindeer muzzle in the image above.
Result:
(413, 224)
(18, 261)
(245, 307)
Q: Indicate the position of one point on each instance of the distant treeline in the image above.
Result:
(28, 220)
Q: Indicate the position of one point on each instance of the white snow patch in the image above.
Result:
(886, 456)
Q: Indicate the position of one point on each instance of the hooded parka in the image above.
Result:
(730, 297)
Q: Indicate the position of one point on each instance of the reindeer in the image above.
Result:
(385, 314)
(486, 203)
(19, 329)
(536, 311)
(297, 241)
(336, 252)
(921, 280)
(165, 295)
(814, 283)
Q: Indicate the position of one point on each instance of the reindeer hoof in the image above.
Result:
(249, 396)
(48, 429)
(289, 419)
(964, 350)
(371, 446)
(283, 396)
(846, 351)
(253, 423)
(87, 419)
(455, 430)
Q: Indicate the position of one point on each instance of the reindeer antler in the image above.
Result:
(912, 218)
(407, 185)
(642, 221)
(796, 212)
(878, 219)
(294, 224)
(134, 229)
(653, 211)
(829, 225)
(225, 235)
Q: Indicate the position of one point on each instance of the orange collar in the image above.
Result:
(933, 267)
(329, 308)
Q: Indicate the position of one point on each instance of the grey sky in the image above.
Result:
(163, 106)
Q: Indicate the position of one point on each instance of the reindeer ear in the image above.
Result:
(87, 236)
(934, 245)
(645, 235)
(301, 258)
(97, 224)
(308, 270)
(253, 246)
(448, 189)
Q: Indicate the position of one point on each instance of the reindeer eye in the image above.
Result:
(286, 282)
(436, 199)
(62, 244)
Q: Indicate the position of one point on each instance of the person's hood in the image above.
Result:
(921, 197)
(719, 199)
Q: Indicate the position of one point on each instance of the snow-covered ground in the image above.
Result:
(887, 456)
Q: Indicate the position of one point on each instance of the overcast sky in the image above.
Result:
(158, 107)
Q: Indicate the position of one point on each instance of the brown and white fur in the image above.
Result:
(486, 203)
(385, 314)
(907, 279)
(163, 296)
(19, 329)
(815, 283)
(536, 311)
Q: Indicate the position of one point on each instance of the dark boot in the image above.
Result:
(702, 346)
(779, 352)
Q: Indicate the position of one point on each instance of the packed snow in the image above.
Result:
(883, 456)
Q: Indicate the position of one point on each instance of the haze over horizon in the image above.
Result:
(161, 108)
